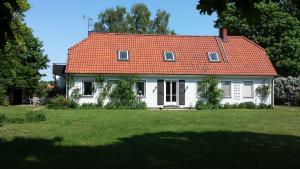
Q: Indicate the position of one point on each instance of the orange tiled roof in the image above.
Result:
(97, 54)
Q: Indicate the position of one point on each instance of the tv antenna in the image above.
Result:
(89, 22)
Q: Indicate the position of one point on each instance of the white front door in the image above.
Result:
(171, 93)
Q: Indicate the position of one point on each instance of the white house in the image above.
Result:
(170, 66)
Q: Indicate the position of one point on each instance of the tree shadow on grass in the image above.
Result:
(165, 150)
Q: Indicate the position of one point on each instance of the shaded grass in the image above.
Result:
(153, 139)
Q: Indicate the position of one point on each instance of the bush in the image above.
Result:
(227, 106)
(15, 120)
(138, 105)
(200, 105)
(123, 97)
(249, 105)
(58, 102)
(73, 104)
(211, 93)
(287, 89)
(2, 119)
(35, 116)
(88, 106)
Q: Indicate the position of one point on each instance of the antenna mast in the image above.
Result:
(89, 22)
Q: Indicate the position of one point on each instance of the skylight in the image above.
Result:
(213, 57)
(169, 56)
(123, 55)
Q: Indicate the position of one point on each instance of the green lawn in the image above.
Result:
(144, 139)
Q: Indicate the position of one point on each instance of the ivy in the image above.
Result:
(103, 86)
(263, 92)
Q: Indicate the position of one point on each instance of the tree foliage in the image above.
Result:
(138, 20)
(21, 53)
(275, 27)
(12, 12)
(246, 7)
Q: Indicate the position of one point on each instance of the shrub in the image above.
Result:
(35, 116)
(227, 106)
(212, 93)
(72, 104)
(138, 105)
(123, 97)
(58, 102)
(199, 104)
(88, 106)
(2, 119)
(262, 106)
(287, 89)
(250, 105)
(15, 120)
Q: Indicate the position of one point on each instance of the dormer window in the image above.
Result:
(213, 57)
(169, 56)
(123, 55)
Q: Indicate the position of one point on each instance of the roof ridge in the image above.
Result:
(147, 34)
(253, 43)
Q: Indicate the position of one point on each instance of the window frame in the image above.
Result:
(87, 80)
(119, 54)
(252, 90)
(169, 60)
(135, 89)
(209, 53)
(230, 91)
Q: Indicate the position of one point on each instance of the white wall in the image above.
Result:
(190, 86)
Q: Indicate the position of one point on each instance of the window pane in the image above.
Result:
(168, 88)
(87, 88)
(169, 56)
(213, 56)
(173, 88)
(168, 98)
(140, 88)
(226, 87)
(248, 89)
(123, 55)
(173, 98)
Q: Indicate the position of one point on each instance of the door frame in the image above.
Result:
(168, 103)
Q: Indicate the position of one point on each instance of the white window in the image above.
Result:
(226, 87)
(248, 89)
(169, 56)
(87, 88)
(140, 88)
(213, 57)
(123, 55)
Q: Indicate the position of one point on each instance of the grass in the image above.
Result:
(144, 139)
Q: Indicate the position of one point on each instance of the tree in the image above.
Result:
(22, 56)
(11, 12)
(245, 7)
(275, 30)
(136, 21)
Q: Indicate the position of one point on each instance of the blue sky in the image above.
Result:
(59, 23)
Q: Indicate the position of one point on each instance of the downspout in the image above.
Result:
(272, 94)
(67, 89)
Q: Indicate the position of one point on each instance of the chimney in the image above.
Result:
(223, 34)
